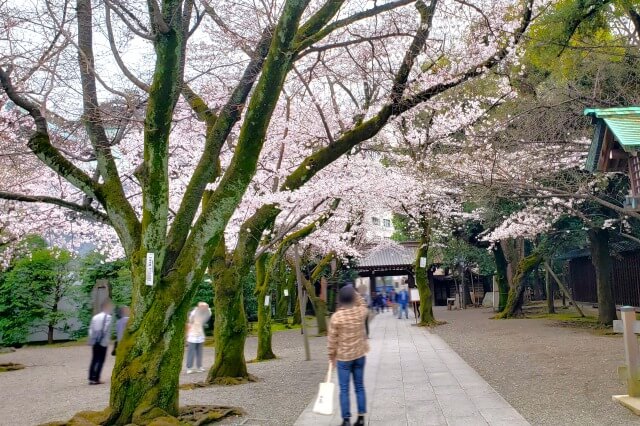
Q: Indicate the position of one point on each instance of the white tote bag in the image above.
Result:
(324, 402)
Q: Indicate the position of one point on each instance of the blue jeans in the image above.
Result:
(402, 308)
(345, 370)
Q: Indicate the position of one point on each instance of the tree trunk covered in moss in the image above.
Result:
(422, 280)
(297, 316)
(320, 307)
(516, 292)
(149, 358)
(550, 289)
(287, 282)
(601, 259)
(501, 276)
(230, 331)
(229, 275)
(265, 350)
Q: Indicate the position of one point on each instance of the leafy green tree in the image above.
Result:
(92, 267)
(404, 229)
(32, 292)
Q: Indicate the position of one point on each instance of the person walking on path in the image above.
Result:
(121, 324)
(403, 301)
(362, 290)
(195, 336)
(347, 346)
(99, 336)
(392, 301)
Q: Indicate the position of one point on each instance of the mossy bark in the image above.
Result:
(229, 274)
(231, 326)
(501, 276)
(422, 280)
(516, 292)
(297, 317)
(319, 307)
(550, 289)
(601, 259)
(144, 383)
(265, 350)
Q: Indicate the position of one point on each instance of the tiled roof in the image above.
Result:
(389, 255)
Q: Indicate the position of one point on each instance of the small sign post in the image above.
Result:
(150, 269)
(630, 372)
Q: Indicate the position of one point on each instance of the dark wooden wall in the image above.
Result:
(626, 279)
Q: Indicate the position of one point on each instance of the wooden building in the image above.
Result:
(580, 274)
(615, 145)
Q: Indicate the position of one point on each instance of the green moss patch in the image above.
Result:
(220, 381)
(429, 324)
(198, 415)
(189, 415)
(10, 366)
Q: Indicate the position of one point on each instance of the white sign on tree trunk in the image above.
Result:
(267, 300)
(150, 268)
(423, 262)
(415, 295)
(286, 293)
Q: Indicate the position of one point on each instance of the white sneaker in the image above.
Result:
(201, 370)
(190, 371)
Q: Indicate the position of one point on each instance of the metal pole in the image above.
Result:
(302, 307)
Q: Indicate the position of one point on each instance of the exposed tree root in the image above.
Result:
(10, 366)
(430, 324)
(255, 361)
(220, 381)
(190, 415)
(507, 315)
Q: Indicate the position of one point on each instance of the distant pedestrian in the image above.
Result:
(121, 324)
(403, 301)
(198, 317)
(347, 347)
(363, 291)
(99, 336)
(392, 302)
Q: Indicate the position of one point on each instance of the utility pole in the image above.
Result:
(302, 303)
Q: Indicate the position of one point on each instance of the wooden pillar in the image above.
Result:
(632, 357)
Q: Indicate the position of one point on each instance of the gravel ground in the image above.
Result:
(552, 375)
(54, 384)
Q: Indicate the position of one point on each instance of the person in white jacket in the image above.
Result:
(198, 317)
(99, 338)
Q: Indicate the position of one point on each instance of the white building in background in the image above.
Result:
(380, 224)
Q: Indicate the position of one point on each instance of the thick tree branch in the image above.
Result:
(310, 39)
(116, 55)
(40, 143)
(225, 199)
(218, 129)
(80, 208)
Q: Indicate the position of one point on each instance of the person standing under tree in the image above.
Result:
(195, 336)
(347, 346)
(99, 336)
(403, 301)
(120, 326)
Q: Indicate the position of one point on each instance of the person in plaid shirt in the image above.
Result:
(348, 346)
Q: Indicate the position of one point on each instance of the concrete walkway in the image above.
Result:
(412, 377)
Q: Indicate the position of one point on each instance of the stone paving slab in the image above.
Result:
(412, 377)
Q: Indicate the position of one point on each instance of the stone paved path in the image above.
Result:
(412, 377)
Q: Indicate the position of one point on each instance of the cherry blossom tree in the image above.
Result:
(151, 117)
